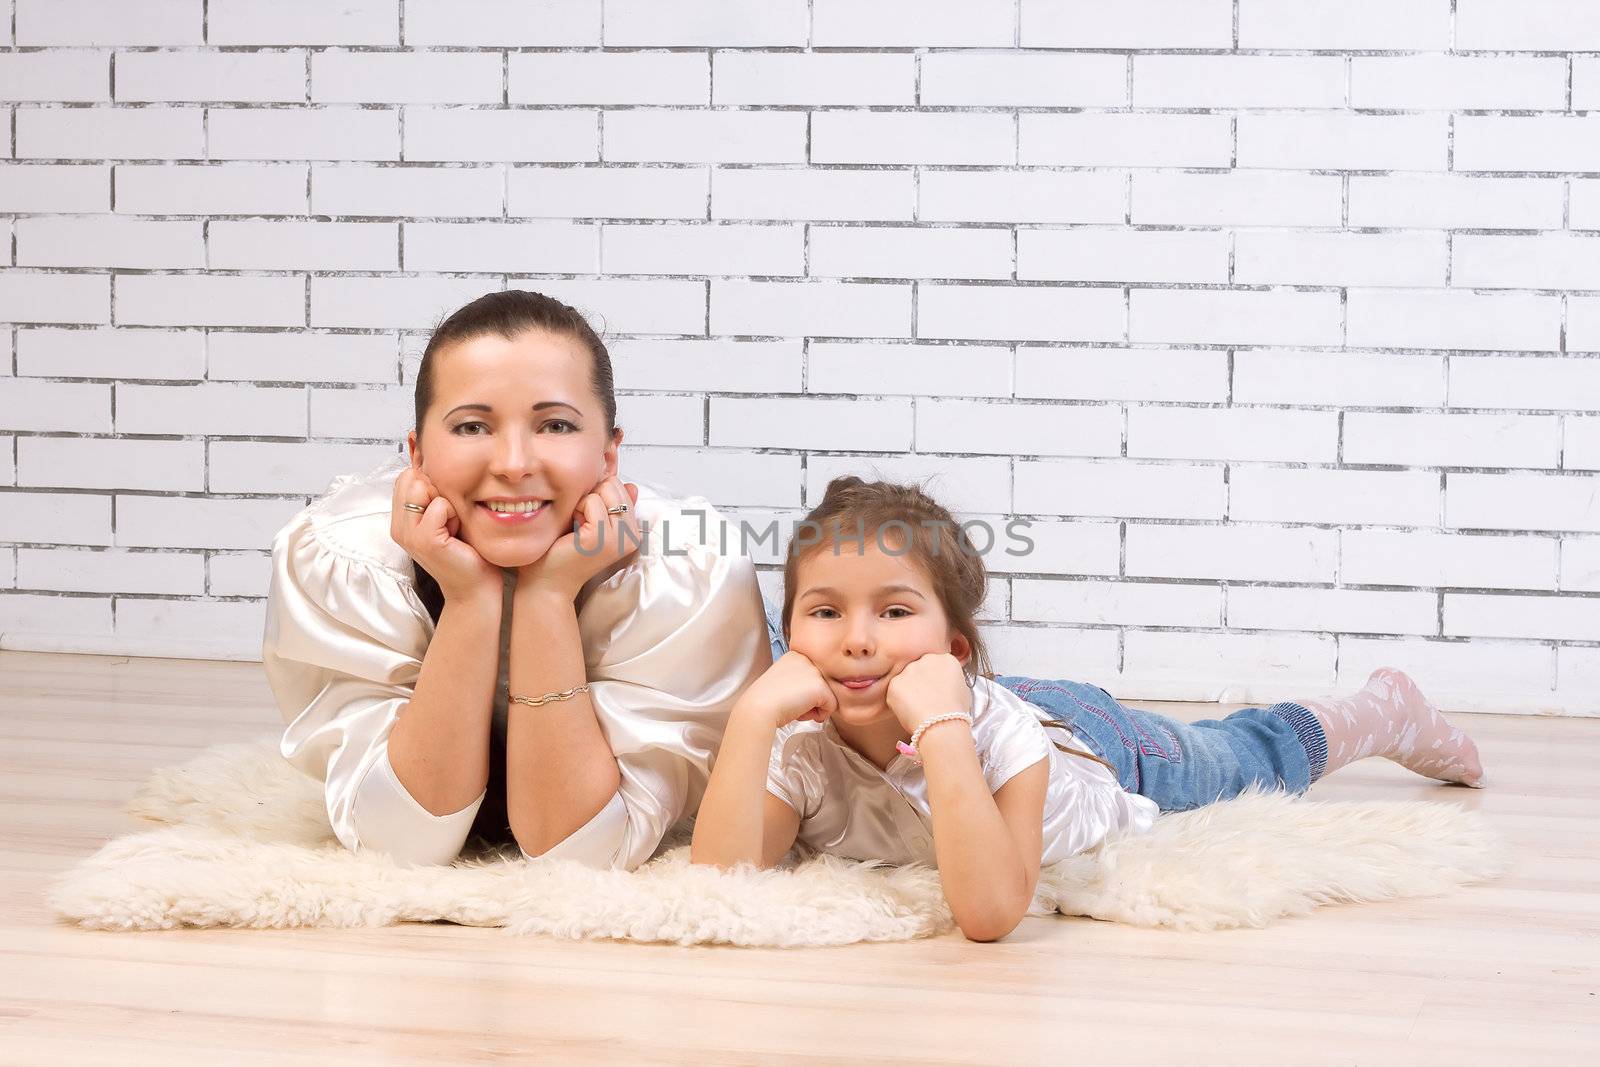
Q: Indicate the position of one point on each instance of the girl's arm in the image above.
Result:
(988, 846)
(739, 821)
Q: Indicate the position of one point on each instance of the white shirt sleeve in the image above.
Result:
(1009, 740)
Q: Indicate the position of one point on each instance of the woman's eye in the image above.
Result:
(461, 428)
(562, 422)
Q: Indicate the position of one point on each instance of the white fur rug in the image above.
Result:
(247, 843)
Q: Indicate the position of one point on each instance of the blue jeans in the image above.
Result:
(1178, 765)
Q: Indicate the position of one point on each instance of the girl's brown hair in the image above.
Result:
(854, 511)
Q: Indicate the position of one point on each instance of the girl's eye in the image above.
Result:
(817, 611)
(905, 612)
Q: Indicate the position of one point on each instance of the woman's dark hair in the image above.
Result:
(508, 314)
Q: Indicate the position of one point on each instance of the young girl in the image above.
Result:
(881, 734)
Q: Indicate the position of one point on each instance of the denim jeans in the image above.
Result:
(1178, 765)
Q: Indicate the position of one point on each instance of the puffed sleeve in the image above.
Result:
(793, 775)
(343, 646)
(670, 641)
(1009, 740)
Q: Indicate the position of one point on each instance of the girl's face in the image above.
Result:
(861, 616)
(514, 422)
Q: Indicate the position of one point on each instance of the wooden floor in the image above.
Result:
(1500, 973)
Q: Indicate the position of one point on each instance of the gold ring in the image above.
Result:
(617, 510)
(418, 508)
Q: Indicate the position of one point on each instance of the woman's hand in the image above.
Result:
(601, 540)
(929, 685)
(791, 689)
(430, 539)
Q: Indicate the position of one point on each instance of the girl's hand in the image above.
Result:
(929, 685)
(601, 540)
(790, 690)
(430, 539)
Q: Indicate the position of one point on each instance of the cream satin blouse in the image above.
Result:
(670, 640)
(850, 808)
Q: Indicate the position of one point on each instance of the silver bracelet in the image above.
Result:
(911, 749)
(548, 697)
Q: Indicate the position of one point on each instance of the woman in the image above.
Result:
(453, 660)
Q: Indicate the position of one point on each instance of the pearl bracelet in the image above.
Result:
(911, 749)
(548, 697)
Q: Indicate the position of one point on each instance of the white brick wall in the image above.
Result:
(1280, 322)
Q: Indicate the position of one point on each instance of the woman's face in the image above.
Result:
(515, 424)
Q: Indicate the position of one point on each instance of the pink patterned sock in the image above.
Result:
(1390, 717)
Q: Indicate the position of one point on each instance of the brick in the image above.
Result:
(629, 305)
(831, 195)
(972, 138)
(1349, 497)
(1035, 651)
(1018, 428)
(301, 357)
(476, 135)
(503, 23)
(286, 467)
(914, 23)
(1585, 82)
(1340, 379)
(55, 76)
(111, 571)
(235, 22)
(216, 300)
(1327, 141)
(1132, 24)
(108, 241)
(1504, 615)
(1455, 440)
(1458, 83)
(1207, 316)
(704, 249)
(407, 78)
(1536, 143)
(55, 614)
(1286, 257)
(609, 192)
(1522, 501)
(662, 420)
(230, 630)
(46, 188)
(1528, 25)
(397, 192)
(1236, 199)
(110, 133)
(260, 245)
(922, 369)
(1057, 547)
(1543, 261)
(203, 77)
(392, 303)
(35, 297)
(853, 80)
(1361, 611)
(1122, 374)
(829, 309)
(709, 366)
(534, 247)
(1583, 324)
(1334, 25)
(1233, 433)
(1552, 384)
(1026, 313)
(111, 463)
(374, 414)
(1580, 564)
(728, 478)
(112, 353)
(720, 23)
(213, 409)
(1022, 196)
(233, 189)
(1581, 447)
(1448, 201)
(965, 486)
(1502, 672)
(705, 136)
(1416, 318)
(1238, 81)
(238, 573)
(901, 252)
(609, 78)
(324, 133)
(58, 407)
(1107, 255)
(56, 518)
(1023, 79)
(807, 422)
(1427, 559)
(1233, 552)
(1127, 139)
(109, 22)
(1119, 489)
(1116, 603)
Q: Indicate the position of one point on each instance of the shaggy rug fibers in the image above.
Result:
(246, 843)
